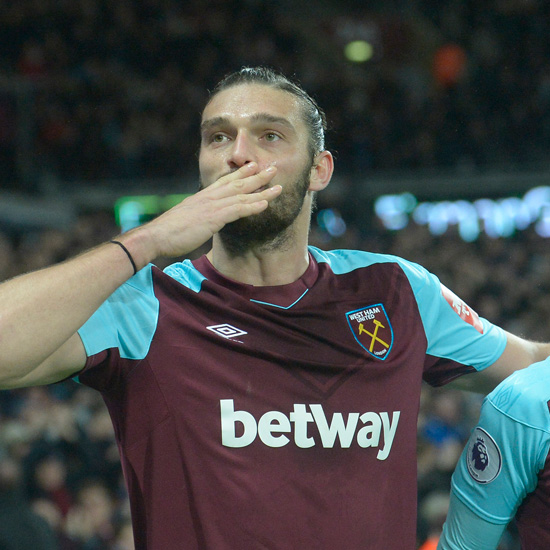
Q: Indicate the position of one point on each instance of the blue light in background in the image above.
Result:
(496, 218)
(330, 221)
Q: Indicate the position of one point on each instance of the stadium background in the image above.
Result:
(444, 105)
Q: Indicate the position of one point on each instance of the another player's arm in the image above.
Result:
(466, 530)
(40, 312)
(481, 507)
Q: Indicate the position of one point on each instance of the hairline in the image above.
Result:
(284, 85)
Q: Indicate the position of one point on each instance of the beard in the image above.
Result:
(270, 229)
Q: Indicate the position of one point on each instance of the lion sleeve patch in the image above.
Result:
(484, 459)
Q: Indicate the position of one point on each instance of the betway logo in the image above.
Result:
(366, 429)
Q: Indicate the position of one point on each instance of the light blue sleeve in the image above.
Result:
(465, 530)
(506, 451)
(453, 330)
(127, 320)
(499, 465)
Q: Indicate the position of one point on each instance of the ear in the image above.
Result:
(321, 171)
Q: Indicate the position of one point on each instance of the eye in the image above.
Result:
(271, 136)
(218, 138)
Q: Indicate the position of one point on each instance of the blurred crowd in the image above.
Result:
(91, 89)
(57, 448)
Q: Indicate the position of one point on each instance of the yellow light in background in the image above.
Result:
(358, 51)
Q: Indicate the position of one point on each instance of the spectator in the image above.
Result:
(108, 79)
(20, 527)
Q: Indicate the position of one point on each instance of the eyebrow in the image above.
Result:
(256, 118)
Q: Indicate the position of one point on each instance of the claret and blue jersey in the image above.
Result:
(277, 417)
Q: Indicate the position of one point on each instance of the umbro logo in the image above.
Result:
(226, 330)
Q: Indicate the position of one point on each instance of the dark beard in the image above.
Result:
(267, 230)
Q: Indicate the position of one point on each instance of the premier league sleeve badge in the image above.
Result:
(484, 458)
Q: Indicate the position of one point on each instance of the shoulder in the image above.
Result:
(346, 260)
(524, 396)
(138, 285)
(186, 274)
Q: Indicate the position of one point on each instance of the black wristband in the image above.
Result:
(127, 254)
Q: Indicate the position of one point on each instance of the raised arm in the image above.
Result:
(40, 312)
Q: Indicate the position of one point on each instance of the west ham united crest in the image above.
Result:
(372, 329)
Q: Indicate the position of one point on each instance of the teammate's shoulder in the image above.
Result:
(525, 395)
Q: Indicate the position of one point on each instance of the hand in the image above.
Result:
(196, 219)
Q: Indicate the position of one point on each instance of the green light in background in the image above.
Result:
(358, 51)
(132, 211)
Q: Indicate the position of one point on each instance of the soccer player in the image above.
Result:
(265, 395)
(504, 470)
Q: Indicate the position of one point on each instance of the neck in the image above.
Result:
(280, 261)
(270, 267)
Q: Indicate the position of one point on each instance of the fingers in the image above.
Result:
(194, 220)
(234, 206)
(245, 192)
(246, 179)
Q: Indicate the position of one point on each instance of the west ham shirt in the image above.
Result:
(504, 471)
(277, 417)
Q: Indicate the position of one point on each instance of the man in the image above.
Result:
(504, 471)
(265, 395)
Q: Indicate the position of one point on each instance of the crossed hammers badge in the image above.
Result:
(372, 329)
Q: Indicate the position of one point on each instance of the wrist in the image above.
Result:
(138, 246)
(127, 252)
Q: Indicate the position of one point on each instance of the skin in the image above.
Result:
(253, 161)
(39, 317)
(256, 124)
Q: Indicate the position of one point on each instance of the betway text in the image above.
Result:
(239, 428)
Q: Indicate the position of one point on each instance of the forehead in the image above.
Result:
(244, 101)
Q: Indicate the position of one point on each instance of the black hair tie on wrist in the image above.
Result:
(127, 254)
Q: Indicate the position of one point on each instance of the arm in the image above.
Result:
(40, 312)
(465, 530)
(518, 354)
(455, 331)
(500, 465)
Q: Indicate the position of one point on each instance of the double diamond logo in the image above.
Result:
(226, 330)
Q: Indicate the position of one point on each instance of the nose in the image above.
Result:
(241, 151)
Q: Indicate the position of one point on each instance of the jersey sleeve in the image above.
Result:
(501, 462)
(125, 322)
(453, 330)
(499, 465)
(465, 529)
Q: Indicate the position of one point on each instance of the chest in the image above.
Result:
(219, 342)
